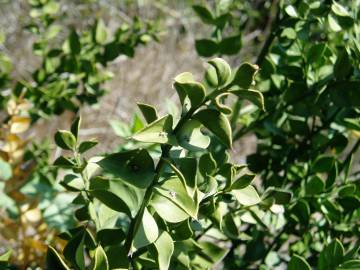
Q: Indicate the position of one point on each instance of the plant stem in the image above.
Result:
(135, 222)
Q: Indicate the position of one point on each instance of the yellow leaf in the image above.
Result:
(19, 124)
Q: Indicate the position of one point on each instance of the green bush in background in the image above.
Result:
(172, 196)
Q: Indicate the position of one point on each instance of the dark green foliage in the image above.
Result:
(161, 211)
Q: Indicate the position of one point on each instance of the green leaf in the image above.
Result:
(101, 261)
(111, 200)
(212, 251)
(229, 226)
(206, 47)
(315, 185)
(185, 85)
(6, 256)
(75, 127)
(301, 211)
(64, 162)
(333, 24)
(74, 43)
(110, 236)
(204, 14)
(147, 232)
(87, 145)
(291, 11)
(350, 265)
(345, 93)
(316, 52)
(135, 167)
(65, 140)
(343, 67)
(149, 112)
(168, 210)
(174, 190)
(73, 183)
(207, 164)
(347, 190)
(245, 75)
(74, 250)
(5, 170)
(100, 32)
(217, 123)
(230, 45)
(253, 96)
(165, 247)
(243, 181)
(159, 131)
(211, 77)
(323, 164)
(218, 102)
(298, 263)
(54, 261)
(332, 256)
(223, 71)
(339, 10)
(247, 196)
(117, 195)
(191, 138)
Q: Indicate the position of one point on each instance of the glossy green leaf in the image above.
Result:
(223, 71)
(174, 190)
(204, 13)
(339, 10)
(159, 131)
(323, 164)
(65, 140)
(54, 261)
(243, 181)
(230, 45)
(74, 250)
(135, 167)
(147, 232)
(218, 102)
(291, 11)
(298, 263)
(185, 85)
(206, 47)
(247, 196)
(110, 236)
(100, 259)
(207, 164)
(168, 210)
(217, 123)
(117, 195)
(75, 127)
(253, 96)
(149, 112)
(165, 247)
(87, 145)
(331, 256)
(191, 138)
(349, 265)
(315, 185)
(245, 75)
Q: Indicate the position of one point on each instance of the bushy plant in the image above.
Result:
(172, 196)
(138, 214)
(33, 208)
(307, 136)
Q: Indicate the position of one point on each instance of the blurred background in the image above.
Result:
(147, 77)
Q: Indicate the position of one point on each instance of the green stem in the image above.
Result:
(135, 222)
